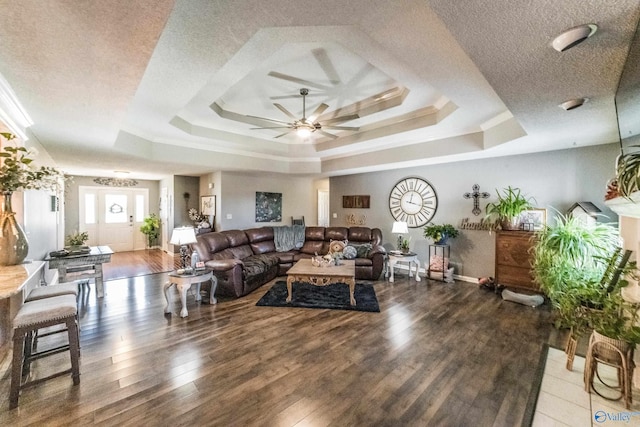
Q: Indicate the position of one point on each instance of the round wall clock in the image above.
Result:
(414, 201)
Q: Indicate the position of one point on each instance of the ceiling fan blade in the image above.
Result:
(330, 135)
(311, 95)
(284, 110)
(341, 127)
(275, 127)
(312, 118)
(326, 64)
(270, 120)
(278, 75)
(340, 119)
(283, 134)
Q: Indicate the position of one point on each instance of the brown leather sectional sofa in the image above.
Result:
(244, 260)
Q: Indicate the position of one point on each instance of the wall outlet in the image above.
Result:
(335, 215)
(229, 216)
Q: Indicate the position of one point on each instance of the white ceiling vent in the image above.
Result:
(573, 36)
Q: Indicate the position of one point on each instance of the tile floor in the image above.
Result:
(562, 400)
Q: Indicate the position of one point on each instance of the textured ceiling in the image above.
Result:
(167, 87)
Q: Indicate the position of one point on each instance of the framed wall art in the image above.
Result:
(533, 219)
(356, 202)
(268, 207)
(208, 205)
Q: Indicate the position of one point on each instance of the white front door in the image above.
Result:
(112, 216)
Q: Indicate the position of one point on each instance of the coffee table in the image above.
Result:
(304, 271)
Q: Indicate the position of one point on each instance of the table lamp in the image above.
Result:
(400, 228)
(183, 236)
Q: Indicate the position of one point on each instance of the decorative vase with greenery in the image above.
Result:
(511, 203)
(77, 238)
(404, 245)
(440, 233)
(151, 228)
(18, 173)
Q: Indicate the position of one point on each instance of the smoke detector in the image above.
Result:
(573, 36)
(573, 103)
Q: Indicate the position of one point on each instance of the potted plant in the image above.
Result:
(440, 233)
(151, 228)
(76, 240)
(511, 203)
(404, 245)
(628, 173)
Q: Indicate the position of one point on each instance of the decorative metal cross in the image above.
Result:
(475, 196)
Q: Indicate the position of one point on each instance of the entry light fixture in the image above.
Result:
(573, 36)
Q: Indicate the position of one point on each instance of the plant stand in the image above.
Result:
(438, 272)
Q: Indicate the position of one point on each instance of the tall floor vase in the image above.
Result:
(14, 245)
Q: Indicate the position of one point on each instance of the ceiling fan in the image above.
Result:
(305, 126)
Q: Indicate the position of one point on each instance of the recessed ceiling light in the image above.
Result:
(573, 36)
(573, 103)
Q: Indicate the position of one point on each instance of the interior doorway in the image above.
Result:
(323, 208)
(113, 216)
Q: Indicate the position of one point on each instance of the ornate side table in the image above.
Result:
(183, 283)
(409, 257)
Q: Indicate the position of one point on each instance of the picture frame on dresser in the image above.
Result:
(533, 219)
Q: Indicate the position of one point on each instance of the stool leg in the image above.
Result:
(74, 349)
(16, 367)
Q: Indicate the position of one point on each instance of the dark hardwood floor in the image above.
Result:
(437, 354)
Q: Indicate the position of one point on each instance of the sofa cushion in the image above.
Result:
(236, 237)
(365, 234)
(312, 247)
(261, 240)
(314, 233)
(336, 233)
(258, 264)
(241, 252)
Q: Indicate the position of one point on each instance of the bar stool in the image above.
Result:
(52, 291)
(32, 316)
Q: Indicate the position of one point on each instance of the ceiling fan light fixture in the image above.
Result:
(573, 103)
(573, 36)
(303, 132)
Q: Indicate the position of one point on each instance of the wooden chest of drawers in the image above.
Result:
(513, 259)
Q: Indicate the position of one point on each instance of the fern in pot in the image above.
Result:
(569, 263)
(511, 203)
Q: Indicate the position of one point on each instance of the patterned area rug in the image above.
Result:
(335, 296)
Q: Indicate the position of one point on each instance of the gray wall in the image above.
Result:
(555, 179)
(238, 199)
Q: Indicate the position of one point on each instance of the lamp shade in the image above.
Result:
(183, 236)
(400, 227)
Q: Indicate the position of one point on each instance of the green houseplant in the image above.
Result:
(511, 203)
(77, 238)
(440, 233)
(151, 228)
(404, 244)
(628, 173)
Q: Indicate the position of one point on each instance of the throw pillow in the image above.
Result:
(362, 250)
(336, 246)
(350, 252)
(436, 262)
